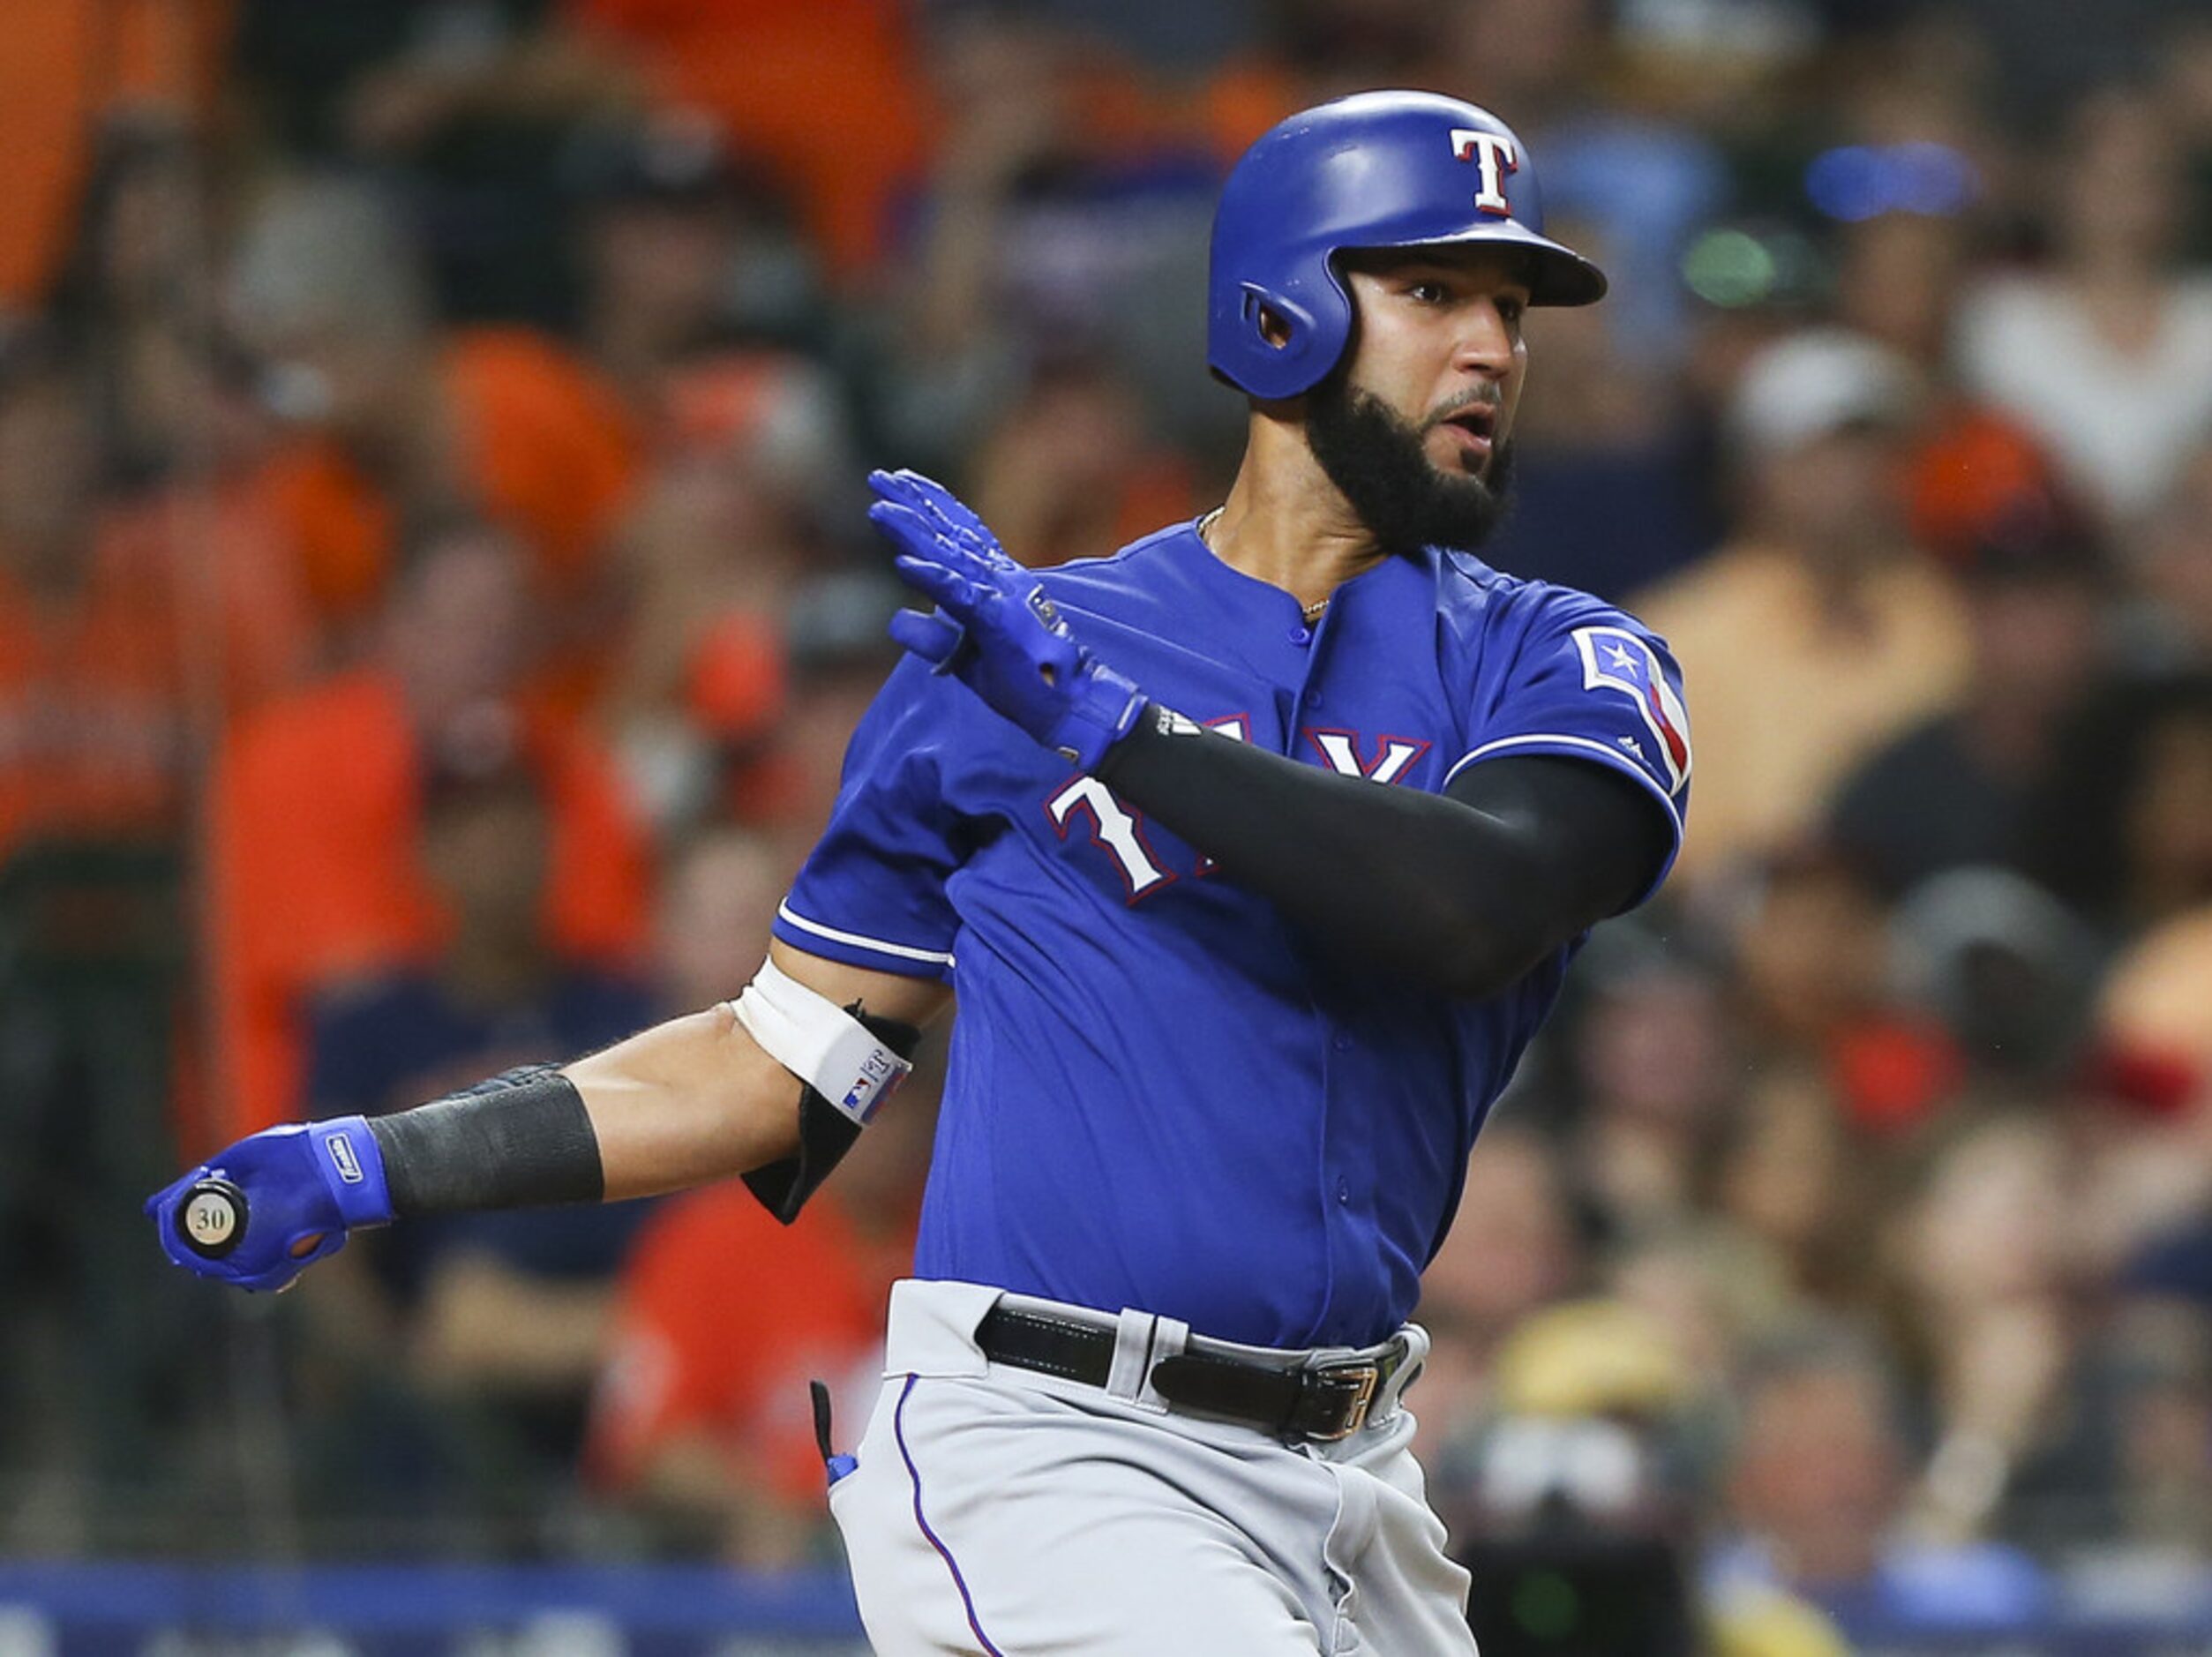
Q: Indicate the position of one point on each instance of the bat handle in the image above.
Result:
(211, 1221)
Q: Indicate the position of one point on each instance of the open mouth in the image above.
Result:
(1474, 430)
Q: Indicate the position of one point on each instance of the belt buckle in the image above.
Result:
(1363, 1378)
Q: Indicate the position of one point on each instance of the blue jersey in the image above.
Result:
(1161, 1095)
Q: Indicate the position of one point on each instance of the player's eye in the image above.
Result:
(1512, 311)
(1428, 293)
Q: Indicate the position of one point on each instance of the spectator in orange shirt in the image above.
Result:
(824, 89)
(92, 731)
(396, 422)
(177, 428)
(67, 64)
(100, 624)
(314, 874)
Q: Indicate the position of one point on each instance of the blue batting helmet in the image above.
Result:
(1378, 169)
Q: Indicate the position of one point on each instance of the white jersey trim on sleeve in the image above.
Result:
(853, 940)
(1559, 740)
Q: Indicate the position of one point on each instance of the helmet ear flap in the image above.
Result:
(1287, 347)
(1297, 323)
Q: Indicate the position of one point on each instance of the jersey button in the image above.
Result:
(1342, 1043)
(1301, 635)
(1343, 1191)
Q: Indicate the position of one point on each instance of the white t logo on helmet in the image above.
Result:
(1494, 154)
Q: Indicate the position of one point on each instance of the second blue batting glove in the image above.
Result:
(304, 1187)
(994, 629)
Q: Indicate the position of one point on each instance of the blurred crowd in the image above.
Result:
(433, 599)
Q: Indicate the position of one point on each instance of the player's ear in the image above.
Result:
(1274, 328)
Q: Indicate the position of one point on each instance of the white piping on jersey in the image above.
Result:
(904, 951)
(1556, 739)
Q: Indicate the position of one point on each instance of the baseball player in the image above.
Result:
(1256, 853)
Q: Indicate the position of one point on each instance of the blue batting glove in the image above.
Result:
(994, 629)
(304, 1187)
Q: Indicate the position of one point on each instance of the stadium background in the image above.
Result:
(433, 595)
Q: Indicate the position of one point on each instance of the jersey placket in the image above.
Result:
(1347, 1222)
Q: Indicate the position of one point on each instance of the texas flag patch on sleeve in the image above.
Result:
(1617, 660)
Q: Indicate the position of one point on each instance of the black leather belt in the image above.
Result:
(1321, 1402)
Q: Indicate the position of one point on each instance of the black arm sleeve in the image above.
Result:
(521, 1140)
(1461, 892)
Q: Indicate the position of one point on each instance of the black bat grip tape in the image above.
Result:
(211, 1221)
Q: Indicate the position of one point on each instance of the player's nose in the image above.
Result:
(1486, 342)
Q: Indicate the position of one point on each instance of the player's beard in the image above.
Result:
(1376, 461)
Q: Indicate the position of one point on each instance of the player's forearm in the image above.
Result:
(685, 1102)
(1461, 894)
(694, 1099)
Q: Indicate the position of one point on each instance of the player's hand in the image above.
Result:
(994, 628)
(301, 1188)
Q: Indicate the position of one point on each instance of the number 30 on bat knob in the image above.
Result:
(212, 1219)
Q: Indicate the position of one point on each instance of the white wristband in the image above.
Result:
(818, 1042)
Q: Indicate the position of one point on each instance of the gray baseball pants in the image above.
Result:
(996, 1512)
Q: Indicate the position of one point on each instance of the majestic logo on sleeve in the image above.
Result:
(1615, 659)
(1494, 154)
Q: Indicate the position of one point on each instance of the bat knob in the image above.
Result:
(212, 1220)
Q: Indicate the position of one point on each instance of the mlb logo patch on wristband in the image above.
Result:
(880, 1075)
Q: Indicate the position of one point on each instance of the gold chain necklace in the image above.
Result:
(1312, 612)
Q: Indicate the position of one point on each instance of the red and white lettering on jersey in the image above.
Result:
(1393, 755)
(1119, 829)
(1494, 155)
(1615, 659)
(1114, 825)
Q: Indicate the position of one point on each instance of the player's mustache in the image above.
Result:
(1488, 397)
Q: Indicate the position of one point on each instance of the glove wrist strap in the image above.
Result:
(1104, 708)
(351, 1164)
